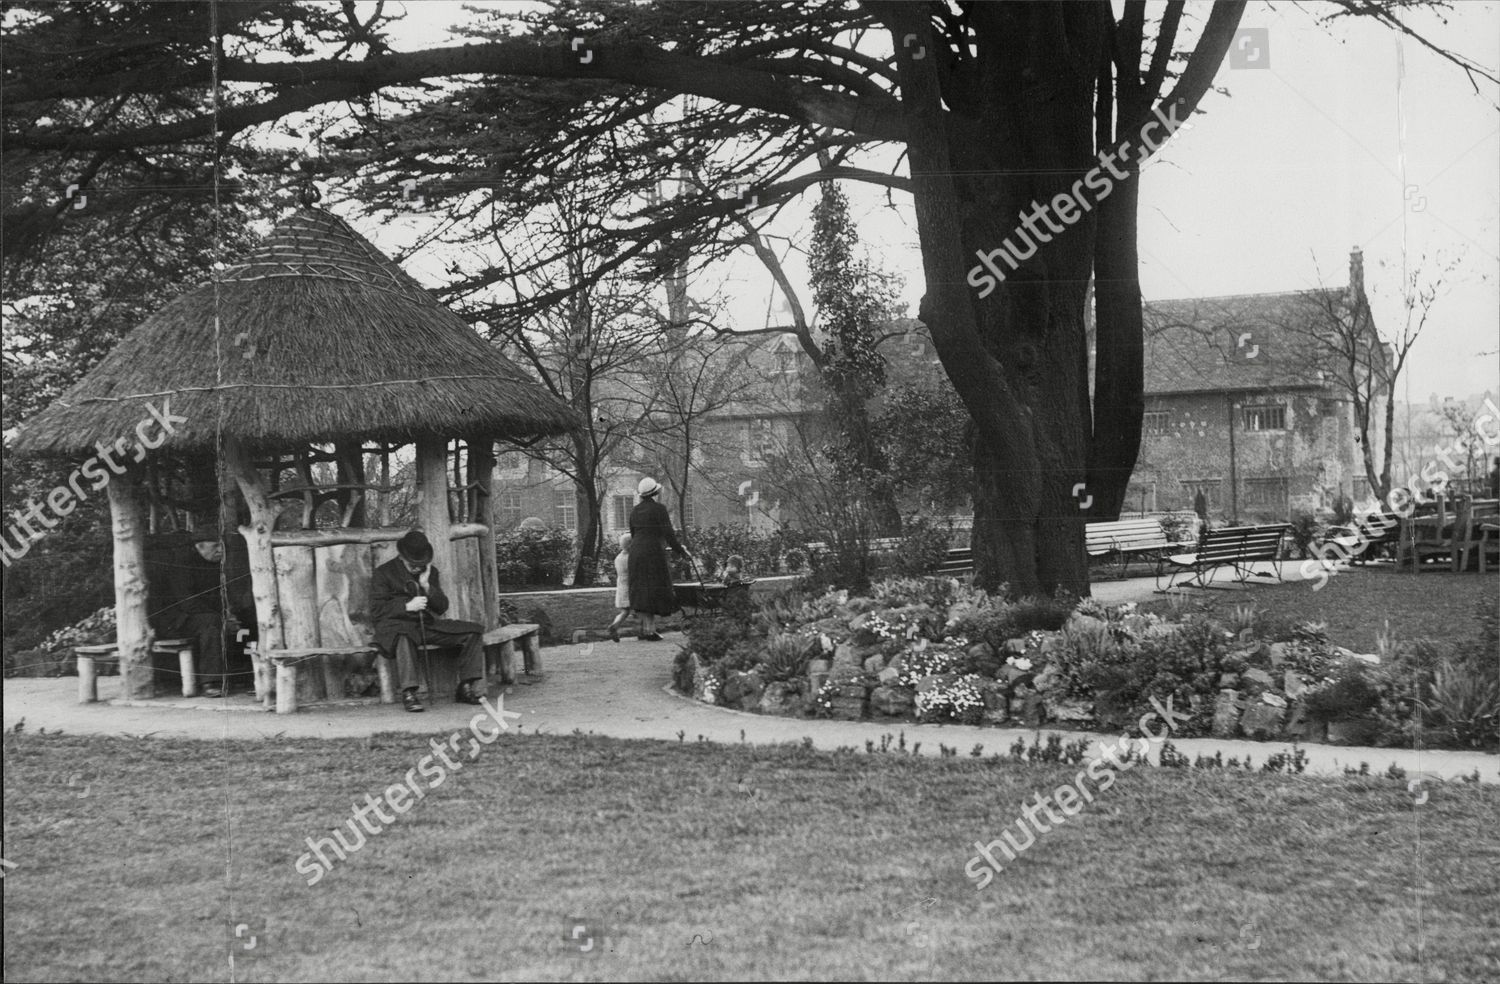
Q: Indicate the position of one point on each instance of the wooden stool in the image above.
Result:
(90, 657)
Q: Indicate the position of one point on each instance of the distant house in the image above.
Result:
(1238, 407)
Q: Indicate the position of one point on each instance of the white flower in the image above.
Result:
(826, 642)
(1019, 662)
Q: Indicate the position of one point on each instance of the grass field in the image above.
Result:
(136, 858)
(1357, 603)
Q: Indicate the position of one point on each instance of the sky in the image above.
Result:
(1330, 137)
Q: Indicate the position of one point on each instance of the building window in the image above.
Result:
(1264, 417)
(622, 504)
(1266, 495)
(1154, 422)
(760, 438)
(510, 509)
(511, 461)
(566, 508)
(1208, 486)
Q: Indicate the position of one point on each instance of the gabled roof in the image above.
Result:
(1236, 342)
(316, 337)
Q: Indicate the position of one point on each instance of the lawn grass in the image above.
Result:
(135, 857)
(1358, 602)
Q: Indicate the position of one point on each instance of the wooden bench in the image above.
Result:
(960, 560)
(1232, 546)
(1369, 536)
(1127, 538)
(287, 661)
(90, 657)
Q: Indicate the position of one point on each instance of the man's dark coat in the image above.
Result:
(390, 589)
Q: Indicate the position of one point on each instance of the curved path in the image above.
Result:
(621, 690)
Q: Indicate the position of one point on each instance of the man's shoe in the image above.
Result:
(212, 692)
(411, 701)
(614, 633)
(653, 637)
(466, 694)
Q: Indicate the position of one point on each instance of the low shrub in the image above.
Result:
(533, 556)
(924, 546)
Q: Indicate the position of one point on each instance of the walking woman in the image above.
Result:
(650, 576)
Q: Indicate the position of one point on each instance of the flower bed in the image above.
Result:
(934, 650)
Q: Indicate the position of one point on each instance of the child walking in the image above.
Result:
(622, 586)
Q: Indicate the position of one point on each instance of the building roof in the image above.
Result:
(319, 337)
(1236, 342)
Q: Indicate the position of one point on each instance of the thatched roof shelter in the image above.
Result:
(319, 337)
(308, 353)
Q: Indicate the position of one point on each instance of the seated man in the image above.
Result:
(406, 597)
(198, 612)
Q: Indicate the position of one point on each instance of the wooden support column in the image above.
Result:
(482, 472)
(132, 629)
(351, 471)
(432, 502)
(257, 543)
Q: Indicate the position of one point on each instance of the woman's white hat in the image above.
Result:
(648, 486)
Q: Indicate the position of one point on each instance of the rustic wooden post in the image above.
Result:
(351, 471)
(482, 471)
(297, 590)
(257, 543)
(132, 628)
(432, 502)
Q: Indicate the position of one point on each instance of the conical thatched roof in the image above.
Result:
(320, 337)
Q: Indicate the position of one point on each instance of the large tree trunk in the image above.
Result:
(1015, 355)
(1119, 360)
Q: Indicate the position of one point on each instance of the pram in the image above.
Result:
(710, 599)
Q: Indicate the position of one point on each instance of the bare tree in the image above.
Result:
(1335, 342)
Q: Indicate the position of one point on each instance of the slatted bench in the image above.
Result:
(1127, 538)
(287, 661)
(1368, 536)
(1232, 546)
(960, 560)
(91, 657)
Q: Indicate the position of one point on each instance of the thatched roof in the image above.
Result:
(320, 337)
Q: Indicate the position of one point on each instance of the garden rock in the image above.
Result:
(887, 675)
(996, 703)
(1263, 721)
(874, 664)
(1277, 652)
(1029, 709)
(892, 701)
(780, 698)
(1293, 685)
(984, 659)
(934, 680)
(1304, 727)
(1229, 681)
(1065, 709)
(1226, 714)
(1257, 675)
(844, 655)
(743, 689)
(817, 673)
(705, 687)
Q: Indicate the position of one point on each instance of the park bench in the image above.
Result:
(960, 560)
(1368, 537)
(1231, 546)
(90, 658)
(286, 663)
(1127, 538)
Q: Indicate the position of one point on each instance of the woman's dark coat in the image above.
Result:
(650, 577)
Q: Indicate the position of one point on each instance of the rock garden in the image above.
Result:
(930, 649)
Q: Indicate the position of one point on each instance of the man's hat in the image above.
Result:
(414, 547)
(206, 534)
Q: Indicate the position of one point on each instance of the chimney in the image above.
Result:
(1356, 275)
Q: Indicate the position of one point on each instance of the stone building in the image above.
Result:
(1243, 404)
